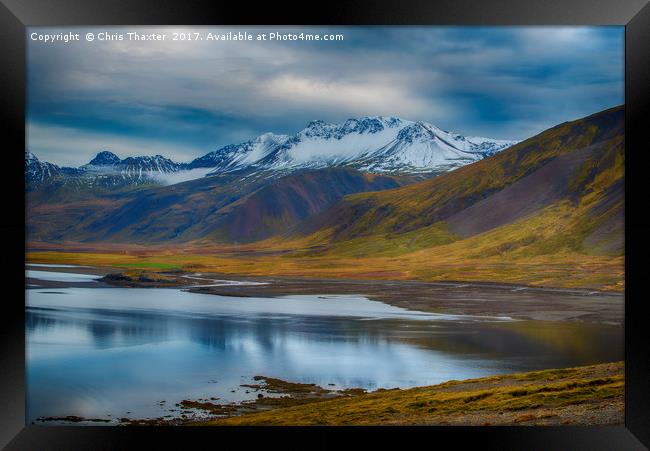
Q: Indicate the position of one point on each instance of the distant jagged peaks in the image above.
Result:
(112, 170)
(131, 167)
(378, 144)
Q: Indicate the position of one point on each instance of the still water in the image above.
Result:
(118, 352)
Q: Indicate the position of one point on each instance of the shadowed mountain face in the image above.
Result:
(280, 205)
(577, 167)
(234, 207)
(543, 187)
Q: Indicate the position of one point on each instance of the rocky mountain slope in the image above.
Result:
(559, 191)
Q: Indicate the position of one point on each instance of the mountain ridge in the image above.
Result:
(377, 144)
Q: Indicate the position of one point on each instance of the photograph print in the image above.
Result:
(363, 225)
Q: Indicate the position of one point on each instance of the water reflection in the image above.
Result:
(98, 352)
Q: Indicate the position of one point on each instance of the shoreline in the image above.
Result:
(585, 395)
(463, 298)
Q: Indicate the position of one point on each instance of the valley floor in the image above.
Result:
(460, 298)
(570, 270)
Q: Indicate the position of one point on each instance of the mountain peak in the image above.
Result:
(316, 123)
(145, 158)
(369, 124)
(363, 125)
(105, 158)
(416, 130)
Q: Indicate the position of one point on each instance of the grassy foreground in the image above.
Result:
(582, 395)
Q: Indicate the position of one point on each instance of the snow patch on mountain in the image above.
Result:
(236, 156)
(172, 178)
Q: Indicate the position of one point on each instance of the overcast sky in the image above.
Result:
(184, 99)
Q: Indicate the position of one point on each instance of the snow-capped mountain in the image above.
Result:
(132, 166)
(137, 170)
(422, 147)
(373, 144)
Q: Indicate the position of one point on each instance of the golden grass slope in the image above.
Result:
(582, 395)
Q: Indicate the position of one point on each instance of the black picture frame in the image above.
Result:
(15, 15)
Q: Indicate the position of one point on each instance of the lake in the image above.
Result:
(100, 352)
